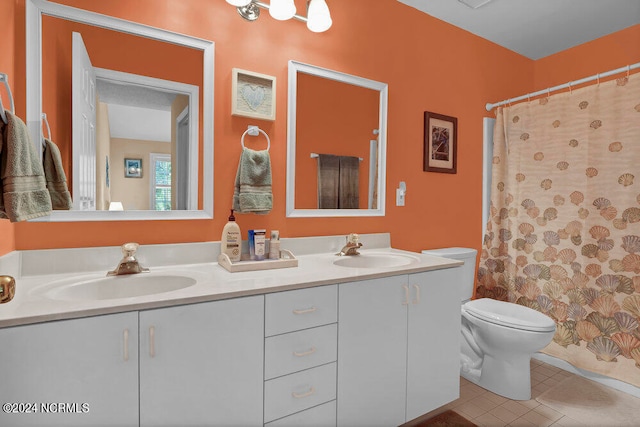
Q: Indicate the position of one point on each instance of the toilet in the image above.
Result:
(498, 338)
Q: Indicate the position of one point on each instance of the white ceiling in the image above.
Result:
(535, 28)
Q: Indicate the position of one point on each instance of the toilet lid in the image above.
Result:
(510, 315)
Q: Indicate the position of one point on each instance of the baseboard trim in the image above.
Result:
(602, 379)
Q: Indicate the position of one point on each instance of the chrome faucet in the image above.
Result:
(128, 264)
(352, 246)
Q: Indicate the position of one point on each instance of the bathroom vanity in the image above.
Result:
(319, 344)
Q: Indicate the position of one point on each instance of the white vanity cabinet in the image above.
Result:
(300, 357)
(398, 340)
(189, 365)
(202, 364)
(84, 372)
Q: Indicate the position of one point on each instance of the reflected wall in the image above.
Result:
(332, 118)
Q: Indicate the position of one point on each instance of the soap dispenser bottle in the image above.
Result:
(231, 241)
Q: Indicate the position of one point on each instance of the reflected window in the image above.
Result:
(161, 182)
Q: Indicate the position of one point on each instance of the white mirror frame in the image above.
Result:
(35, 9)
(294, 68)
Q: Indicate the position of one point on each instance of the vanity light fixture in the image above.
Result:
(318, 17)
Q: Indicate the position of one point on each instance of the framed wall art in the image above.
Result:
(253, 95)
(133, 168)
(440, 143)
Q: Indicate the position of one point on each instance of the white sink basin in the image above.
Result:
(125, 286)
(375, 260)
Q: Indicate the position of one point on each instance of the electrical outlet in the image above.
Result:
(399, 197)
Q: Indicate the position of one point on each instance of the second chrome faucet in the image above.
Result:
(352, 246)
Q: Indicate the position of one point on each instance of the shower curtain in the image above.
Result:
(563, 235)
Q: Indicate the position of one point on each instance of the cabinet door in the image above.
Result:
(433, 373)
(202, 364)
(80, 372)
(372, 352)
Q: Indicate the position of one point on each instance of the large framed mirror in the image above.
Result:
(135, 131)
(336, 143)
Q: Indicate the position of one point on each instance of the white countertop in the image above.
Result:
(31, 305)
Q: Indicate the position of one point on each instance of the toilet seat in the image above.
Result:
(509, 315)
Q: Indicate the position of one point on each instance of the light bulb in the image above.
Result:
(239, 3)
(318, 16)
(282, 9)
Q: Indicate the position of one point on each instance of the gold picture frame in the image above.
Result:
(253, 95)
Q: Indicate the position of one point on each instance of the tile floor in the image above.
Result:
(485, 408)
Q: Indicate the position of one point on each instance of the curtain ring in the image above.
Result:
(548, 93)
(598, 77)
(628, 70)
(570, 88)
(528, 97)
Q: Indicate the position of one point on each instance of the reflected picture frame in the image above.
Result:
(133, 168)
(440, 143)
(253, 95)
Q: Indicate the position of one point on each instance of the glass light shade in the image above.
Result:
(282, 9)
(318, 16)
(239, 3)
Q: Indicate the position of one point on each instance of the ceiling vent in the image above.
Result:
(474, 4)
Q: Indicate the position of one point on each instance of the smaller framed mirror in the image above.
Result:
(336, 143)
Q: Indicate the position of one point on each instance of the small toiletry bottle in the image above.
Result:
(231, 242)
(274, 245)
(252, 244)
(259, 240)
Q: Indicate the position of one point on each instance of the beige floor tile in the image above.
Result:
(553, 381)
(538, 377)
(495, 397)
(532, 403)
(484, 403)
(516, 407)
(469, 410)
(547, 370)
(521, 422)
(504, 414)
(548, 412)
(537, 419)
(489, 420)
(567, 422)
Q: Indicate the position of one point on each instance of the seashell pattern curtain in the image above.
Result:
(564, 231)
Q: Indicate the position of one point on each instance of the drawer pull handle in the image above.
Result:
(152, 341)
(406, 295)
(305, 310)
(417, 299)
(308, 393)
(304, 353)
(126, 345)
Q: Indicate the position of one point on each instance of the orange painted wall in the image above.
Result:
(606, 53)
(428, 64)
(332, 118)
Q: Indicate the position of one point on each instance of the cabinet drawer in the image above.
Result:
(296, 392)
(318, 416)
(300, 309)
(300, 350)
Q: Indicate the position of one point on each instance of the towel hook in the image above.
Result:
(46, 122)
(255, 131)
(5, 79)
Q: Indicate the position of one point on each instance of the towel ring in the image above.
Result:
(253, 131)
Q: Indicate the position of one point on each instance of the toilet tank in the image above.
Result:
(467, 255)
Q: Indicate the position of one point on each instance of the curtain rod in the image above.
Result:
(628, 68)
